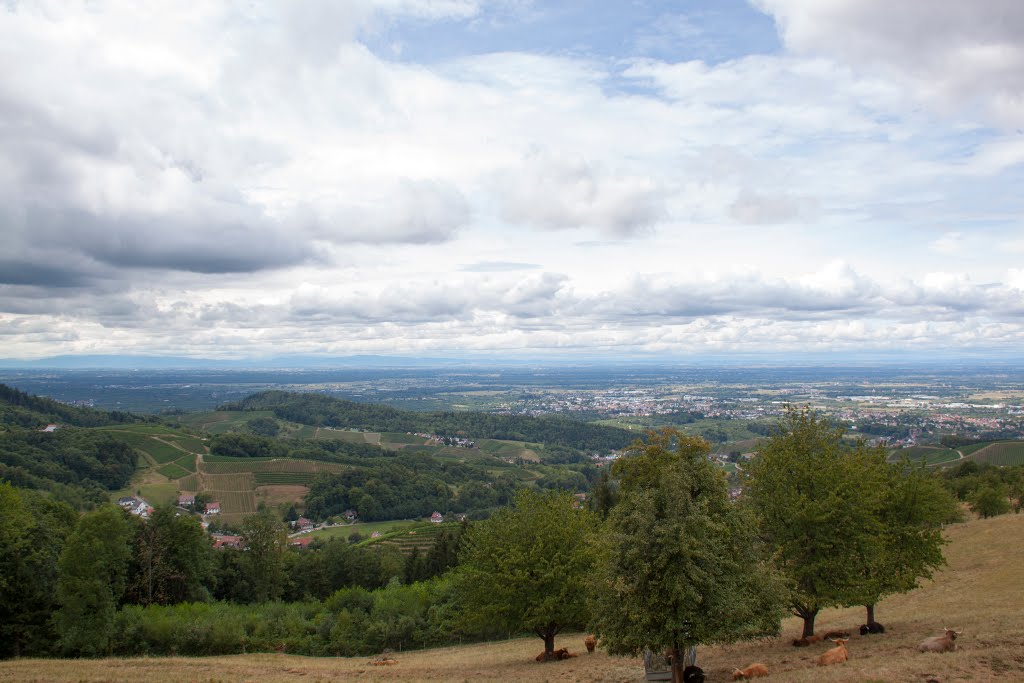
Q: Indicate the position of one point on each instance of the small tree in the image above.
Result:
(527, 567)
(679, 563)
(989, 500)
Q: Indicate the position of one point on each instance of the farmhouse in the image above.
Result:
(302, 524)
(226, 541)
(350, 515)
(437, 518)
(213, 508)
(186, 499)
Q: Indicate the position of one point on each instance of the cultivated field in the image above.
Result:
(979, 592)
(1001, 453)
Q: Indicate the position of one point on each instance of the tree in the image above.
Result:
(678, 562)
(527, 567)
(914, 505)
(989, 500)
(265, 538)
(817, 501)
(172, 559)
(91, 580)
(33, 530)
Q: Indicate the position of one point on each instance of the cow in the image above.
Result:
(837, 634)
(944, 643)
(591, 642)
(693, 674)
(806, 640)
(836, 655)
(557, 655)
(753, 671)
(873, 627)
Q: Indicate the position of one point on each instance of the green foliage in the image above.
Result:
(990, 500)
(527, 567)
(172, 559)
(264, 426)
(33, 412)
(92, 573)
(320, 410)
(679, 563)
(817, 499)
(265, 537)
(78, 466)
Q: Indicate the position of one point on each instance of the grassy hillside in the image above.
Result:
(979, 592)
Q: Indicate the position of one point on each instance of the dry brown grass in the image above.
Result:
(982, 591)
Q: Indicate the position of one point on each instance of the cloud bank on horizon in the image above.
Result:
(442, 176)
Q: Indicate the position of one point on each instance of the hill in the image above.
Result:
(976, 592)
(20, 409)
(325, 411)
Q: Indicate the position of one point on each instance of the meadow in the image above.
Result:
(979, 592)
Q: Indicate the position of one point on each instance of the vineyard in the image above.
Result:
(421, 537)
(264, 466)
(932, 455)
(1001, 453)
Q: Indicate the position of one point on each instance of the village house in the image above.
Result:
(302, 524)
(437, 518)
(213, 508)
(350, 515)
(226, 541)
(186, 499)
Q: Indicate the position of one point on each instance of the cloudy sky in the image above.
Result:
(435, 177)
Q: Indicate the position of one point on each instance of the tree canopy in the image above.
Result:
(679, 563)
(527, 567)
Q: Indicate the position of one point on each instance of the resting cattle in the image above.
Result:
(873, 627)
(944, 643)
(591, 643)
(561, 653)
(836, 655)
(836, 634)
(753, 671)
(693, 674)
(805, 641)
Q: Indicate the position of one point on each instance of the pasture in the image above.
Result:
(978, 592)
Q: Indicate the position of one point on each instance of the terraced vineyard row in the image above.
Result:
(297, 478)
(420, 537)
(220, 466)
(234, 502)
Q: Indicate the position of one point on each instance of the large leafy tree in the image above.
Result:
(819, 501)
(265, 538)
(91, 579)
(679, 563)
(527, 567)
(913, 507)
(172, 559)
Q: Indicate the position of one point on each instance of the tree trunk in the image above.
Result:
(808, 614)
(547, 634)
(871, 614)
(676, 661)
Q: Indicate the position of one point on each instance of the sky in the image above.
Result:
(251, 179)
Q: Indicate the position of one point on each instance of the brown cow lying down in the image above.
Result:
(836, 655)
(806, 640)
(753, 671)
(943, 643)
(557, 655)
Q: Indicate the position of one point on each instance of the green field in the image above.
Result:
(511, 449)
(421, 536)
(364, 529)
(159, 453)
(932, 455)
(234, 465)
(221, 421)
(1001, 453)
(173, 471)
